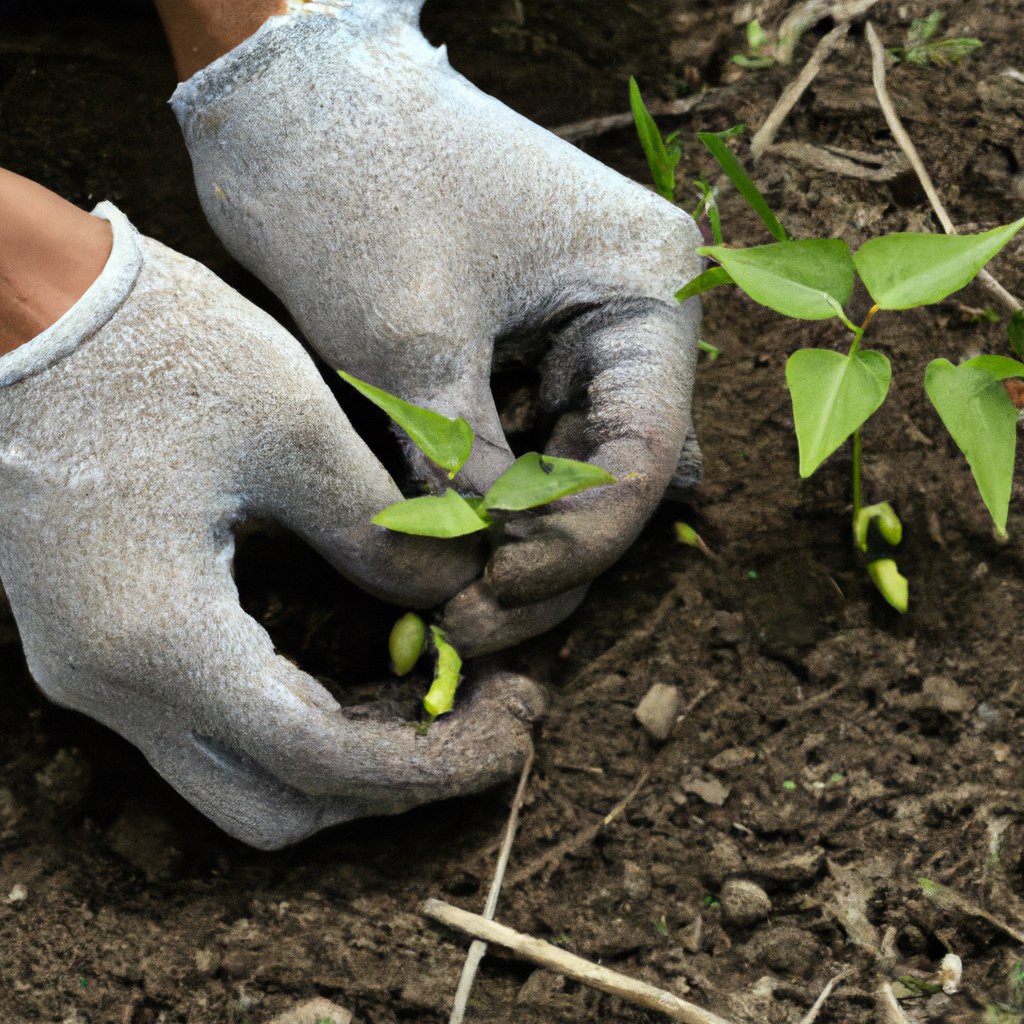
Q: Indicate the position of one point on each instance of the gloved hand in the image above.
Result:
(421, 234)
(158, 412)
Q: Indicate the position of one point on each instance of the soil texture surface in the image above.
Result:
(829, 753)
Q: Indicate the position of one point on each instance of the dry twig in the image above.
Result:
(577, 131)
(812, 1014)
(477, 949)
(878, 58)
(889, 1007)
(951, 899)
(544, 953)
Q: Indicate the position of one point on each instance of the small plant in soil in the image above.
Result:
(532, 481)
(835, 393)
(923, 48)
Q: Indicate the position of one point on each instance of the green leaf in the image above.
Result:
(447, 516)
(756, 36)
(909, 269)
(832, 396)
(444, 441)
(441, 696)
(1001, 367)
(708, 205)
(1015, 332)
(535, 479)
(890, 583)
(982, 420)
(744, 185)
(793, 278)
(711, 278)
(406, 642)
(661, 159)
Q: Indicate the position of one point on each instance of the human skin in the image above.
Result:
(50, 253)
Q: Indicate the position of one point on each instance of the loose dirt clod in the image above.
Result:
(314, 1011)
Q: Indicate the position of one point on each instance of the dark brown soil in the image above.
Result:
(832, 751)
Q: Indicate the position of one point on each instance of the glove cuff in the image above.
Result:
(287, 37)
(100, 302)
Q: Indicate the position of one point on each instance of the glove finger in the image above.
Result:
(618, 383)
(309, 470)
(477, 624)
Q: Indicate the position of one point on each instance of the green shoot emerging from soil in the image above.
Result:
(923, 48)
(834, 393)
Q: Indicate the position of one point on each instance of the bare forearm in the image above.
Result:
(50, 252)
(200, 31)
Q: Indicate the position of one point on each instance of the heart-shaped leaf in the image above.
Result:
(535, 479)
(447, 516)
(909, 269)
(832, 396)
(982, 420)
(793, 278)
(444, 441)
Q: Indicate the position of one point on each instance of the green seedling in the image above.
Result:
(835, 393)
(531, 481)
(759, 48)
(406, 643)
(923, 48)
(662, 154)
(687, 535)
(447, 675)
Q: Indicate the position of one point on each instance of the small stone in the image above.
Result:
(691, 938)
(711, 791)
(314, 1011)
(730, 758)
(658, 711)
(744, 903)
(786, 949)
(18, 894)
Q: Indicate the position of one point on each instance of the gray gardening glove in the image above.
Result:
(159, 411)
(421, 234)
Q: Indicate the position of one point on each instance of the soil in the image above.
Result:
(830, 751)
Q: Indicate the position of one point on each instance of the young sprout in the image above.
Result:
(923, 48)
(406, 643)
(447, 675)
(891, 585)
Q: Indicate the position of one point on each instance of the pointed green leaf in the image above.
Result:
(982, 420)
(447, 516)
(908, 269)
(441, 697)
(793, 278)
(444, 441)
(711, 278)
(535, 479)
(1015, 332)
(832, 396)
(660, 158)
(735, 172)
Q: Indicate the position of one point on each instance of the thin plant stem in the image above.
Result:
(857, 495)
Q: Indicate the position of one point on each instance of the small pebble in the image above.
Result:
(18, 894)
(711, 791)
(744, 903)
(658, 711)
(312, 1011)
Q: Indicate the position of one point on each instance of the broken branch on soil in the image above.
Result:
(576, 967)
(812, 1014)
(952, 900)
(888, 1004)
(550, 861)
(878, 61)
(477, 948)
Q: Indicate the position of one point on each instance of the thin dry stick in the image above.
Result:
(878, 58)
(577, 131)
(477, 948)
(950, 899)
(539, 952)
(765, 135)
(549, 861)
(812, 1014)
(889, 1005)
